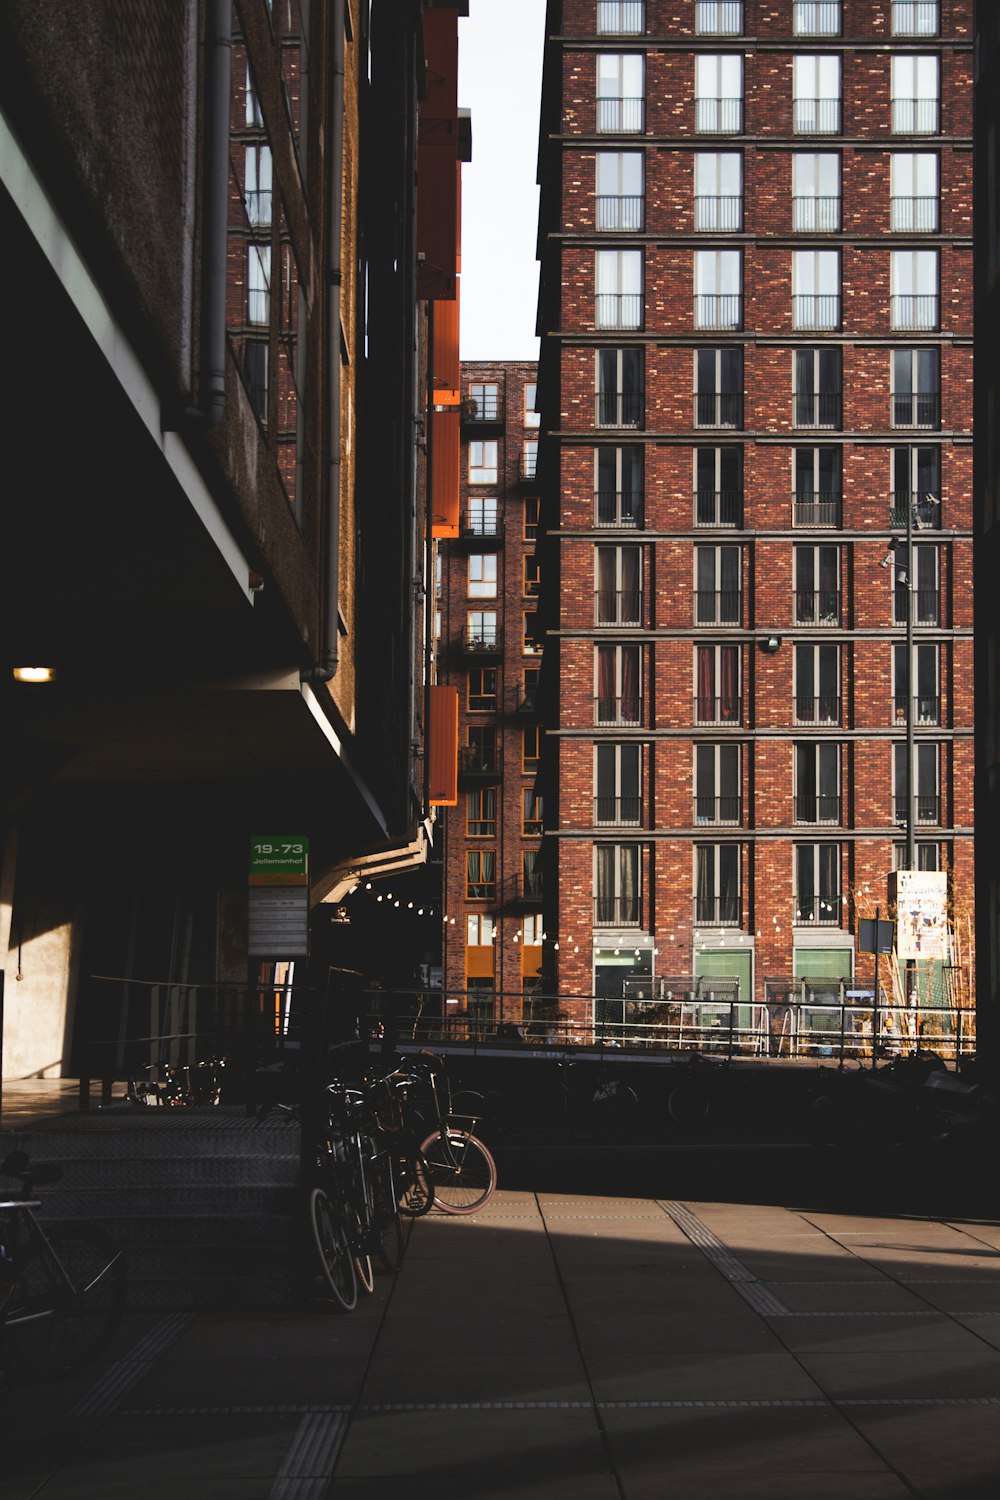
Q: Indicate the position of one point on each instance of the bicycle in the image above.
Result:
(361, 1170)
(62, 1288)
(463, 1174)
(396, 1120)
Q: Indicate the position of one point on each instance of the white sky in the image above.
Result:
(499, 80)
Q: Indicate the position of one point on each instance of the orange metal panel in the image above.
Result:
(447, 376)
(444, 473)
(437, 158)
(479, 963)
(442, 736)
(531, 959)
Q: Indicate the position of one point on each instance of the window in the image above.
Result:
(617, 785)
(529, 688)
(616, 885)
(480, 1000)
(718, 387)
(531, 573)
(529, 458)
(718, 17)
(817, 387)
(484, 401)
(717, 885)
(252, 115)
(916, 388)
(817, 884)
(928, 857)
(255, 365)
(482, 575)
(479, 930)
(531, 874)
(620, 394)
(480, 875)
(926, 704)
(923, 589)
(913, 286)
(257, 184)
(916, 484)
(914, 191)
(618, 486)
(619, 289)
(617, 584)
(718, 94)
(718, 478)
(817, 486)
(816, 192)
(482, 630)
(915, 18)
(532, 641)
(817, 586)
(718, 190)
(717, 685)
(717, 784)
(531, 416)
(531, 518)
(717, 586)
(718, 277)
(481, 751)
(481, 812)
(816, 18)
(531, 811)
(816, 94)
(915, 95)
(617, 685)
(817, 684)
(258, 284)
(621, 107)
(815, 289)
(482, 689)
(483, 517)
(620, 196)
(531, 747)
(817, 783)
(926, 784)
(621, 17)
(438, 574)
(483, 462)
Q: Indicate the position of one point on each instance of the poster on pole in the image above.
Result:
(921, 914)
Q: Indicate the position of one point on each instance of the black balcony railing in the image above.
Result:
(483, 408)
(926, 709)
(820, 409)
(926, 607)
(816, 215)
(626, 710)
(824, 709)
(619, 408)
(718, 17)
(915, 311)
(915, 215)
(817, 510)
(617, 911)
(926, 807)
(916, 411)
(622, 811)
(717, 214)
(487, 525)
(718, 311)
(618, 508)
(817, 808)
(618, 310)
(821, 911)
(718, 116)
(620, 211)
(532, 887)
(618, 607)
(718, 508)
(529, 465)
(718, 911)
(718, 809)
(926, 511)
(718, 409)
(484, 638)
(717, 606)
(816, 18)
(817, 116)
(625, 116)
(915, 116)
(473, 761)
(621, 17)
(817, 606)
(727, 709)
(811, 310)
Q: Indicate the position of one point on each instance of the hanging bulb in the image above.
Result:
(368, 885)
(555, 945)
(420, 911)
(379, 898)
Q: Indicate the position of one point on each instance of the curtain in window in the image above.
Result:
(630, 685)
(706, 683)
(729, 684)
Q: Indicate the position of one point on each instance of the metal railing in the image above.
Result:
(914, 215)
(915, 116)
(718, 17)
(817, 807)
(626, 710)
(617, 911)
(926, 605)
(914, 311)
(923, 503)
(726, 709)
(817, 606)
(718, 310)
(619, 408)
(816, 116)
(810, 310)
(817, 510)
(818, 409)
(718, 507)
(914, 17)
(483, 638)
(922, 410)
(718, 606)
(487, 524)
(716, 213)
(529, 465)
(620, 811)
(486, 408)
(815, 215)
(718, 116)
(927, 807)
(618, 508)
(617, 607)
(718, 409)
(719, 911)
(618, 310)
(621, 116)
(621, 211)
(718, 809)
(926, 710)
(816, 18)
(823, 709)
(621, 17)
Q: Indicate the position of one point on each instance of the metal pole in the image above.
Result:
(878, 913)
(911, 780)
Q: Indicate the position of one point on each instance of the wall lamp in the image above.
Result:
(770, 644)
(34, 674)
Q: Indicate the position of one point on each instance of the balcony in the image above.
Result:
(718, 116)
(718, 508)
(923, 505)
(620, 509)
(824, 709)
(926, 710)
(618, 711)
(915, 116)
(817, 808)
(620, 408)
(718, 409)
(718, 17)
(617, 607)
(927, 809)
(810, 310)
(916, 411)
(483, 640)
(718, 214)
(816, 18)
(927, 605)
(823, 510)
(617, 911)
(622, 812)
(822, 410)
(718, 310)
(621, 116)
(718, 607)
(528, 466)
(625, 212)
(816, 117)
(531, 889)
(621, 17)
(718, 809)
(718, 911)
(914, 311)
(482, 526)
(477, 411)
(820, 911)
(618, 310)
(725, 709)
(914, 215)
(476, 765)
(817, 606)
(813, 215)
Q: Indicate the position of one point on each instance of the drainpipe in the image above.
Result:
(215, 208)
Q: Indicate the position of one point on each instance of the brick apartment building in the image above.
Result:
(488, 647)
(756, 396)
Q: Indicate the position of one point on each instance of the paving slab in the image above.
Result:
(618, 1375)
(497, 1445)
(943, 1452)
(929, 1333)
(938, 1375)
(437, 1377)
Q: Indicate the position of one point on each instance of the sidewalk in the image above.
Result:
(564, 1345)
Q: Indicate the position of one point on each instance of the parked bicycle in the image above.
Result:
(461, 1169)
(62, 1286)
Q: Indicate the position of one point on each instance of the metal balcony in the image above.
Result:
(817, 410)
(619, 408)
(817, 510)
(926, 710)
(824, 709)
(718, 809)
(618, 508)
(718, 310)
(727, 709)
(625, 116)
(620, 811)
(816, 117)
(717, 214)
(479, 410)
(718, 508)
(915, 311)
(617, 711)
(916, 411)
(814, 215)
(817, 606)
(718, 409)
(718, 606)
(718, 911)
(624, 212)
(817, 808)
(617, 607)
(617, 911)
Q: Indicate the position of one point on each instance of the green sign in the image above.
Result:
(279, 861)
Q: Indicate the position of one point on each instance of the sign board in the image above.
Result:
(921, 914)
(279, 861)
(278, 922)
(874, 936)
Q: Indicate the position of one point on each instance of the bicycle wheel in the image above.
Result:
(387, 1230)
(55, 1324)
(414, 1186)
(333, 1249)
(363, 1267)
(463, 1173)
